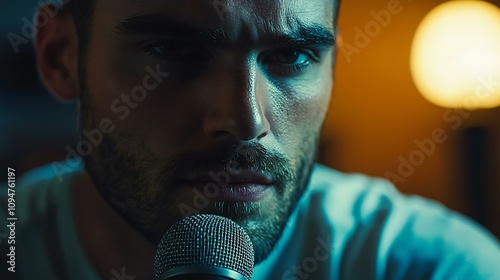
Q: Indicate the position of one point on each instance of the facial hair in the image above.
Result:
(143, 188)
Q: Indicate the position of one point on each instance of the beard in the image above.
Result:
(144, 188)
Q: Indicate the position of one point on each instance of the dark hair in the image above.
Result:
(82, 11)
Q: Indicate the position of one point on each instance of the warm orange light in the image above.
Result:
(455, 55)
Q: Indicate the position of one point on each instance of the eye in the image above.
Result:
(289, 62)
(172, 50)
(289, 57)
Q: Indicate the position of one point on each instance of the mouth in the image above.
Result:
(243, 186)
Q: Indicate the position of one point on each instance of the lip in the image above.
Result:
(243, 186)
(241, 177)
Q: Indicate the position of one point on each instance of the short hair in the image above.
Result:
(81, 11)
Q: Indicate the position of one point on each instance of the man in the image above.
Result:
(200, 106)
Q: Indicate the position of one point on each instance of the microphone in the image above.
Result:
(204, 247)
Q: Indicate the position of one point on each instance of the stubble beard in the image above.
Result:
(135, 182)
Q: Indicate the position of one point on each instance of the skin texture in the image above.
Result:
(239, 102)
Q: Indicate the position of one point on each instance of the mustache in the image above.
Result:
(230, 157)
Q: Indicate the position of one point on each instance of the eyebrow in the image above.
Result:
(161, 25)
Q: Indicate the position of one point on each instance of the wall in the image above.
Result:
(377, 113)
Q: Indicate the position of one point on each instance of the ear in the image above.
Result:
(56, 48)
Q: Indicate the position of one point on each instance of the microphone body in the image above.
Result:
(201, 273)
(198, 277)
(204, 247)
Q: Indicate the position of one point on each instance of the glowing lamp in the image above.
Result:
(455, 55)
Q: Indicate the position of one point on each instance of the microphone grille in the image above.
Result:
(205, 240)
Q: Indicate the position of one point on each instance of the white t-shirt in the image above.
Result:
(346, 226)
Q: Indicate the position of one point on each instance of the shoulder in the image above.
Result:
(442, 243)
(355, 196)
(38, 206)
(37, 191)
(399, 233)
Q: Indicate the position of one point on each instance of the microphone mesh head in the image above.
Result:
(208, 241)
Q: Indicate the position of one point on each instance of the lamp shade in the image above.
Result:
(455, 55)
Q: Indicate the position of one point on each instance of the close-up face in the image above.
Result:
(213, 107)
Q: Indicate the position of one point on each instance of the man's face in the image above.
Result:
(216, 108)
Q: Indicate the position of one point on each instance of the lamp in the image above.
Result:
(455, 63)
(455, 55)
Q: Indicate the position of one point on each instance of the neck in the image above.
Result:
(112, 246)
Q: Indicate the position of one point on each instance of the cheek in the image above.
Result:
(313, 103)
(308, 97)
(303, 109)
(299, 120)
(110, 91)
(136, 103)
(302, 113)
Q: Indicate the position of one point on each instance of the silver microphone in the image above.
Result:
(204, 246)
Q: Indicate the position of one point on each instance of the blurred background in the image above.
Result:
(377, 123)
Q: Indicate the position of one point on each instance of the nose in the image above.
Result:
(240, 105)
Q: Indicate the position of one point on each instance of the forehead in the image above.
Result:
(237, 18)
